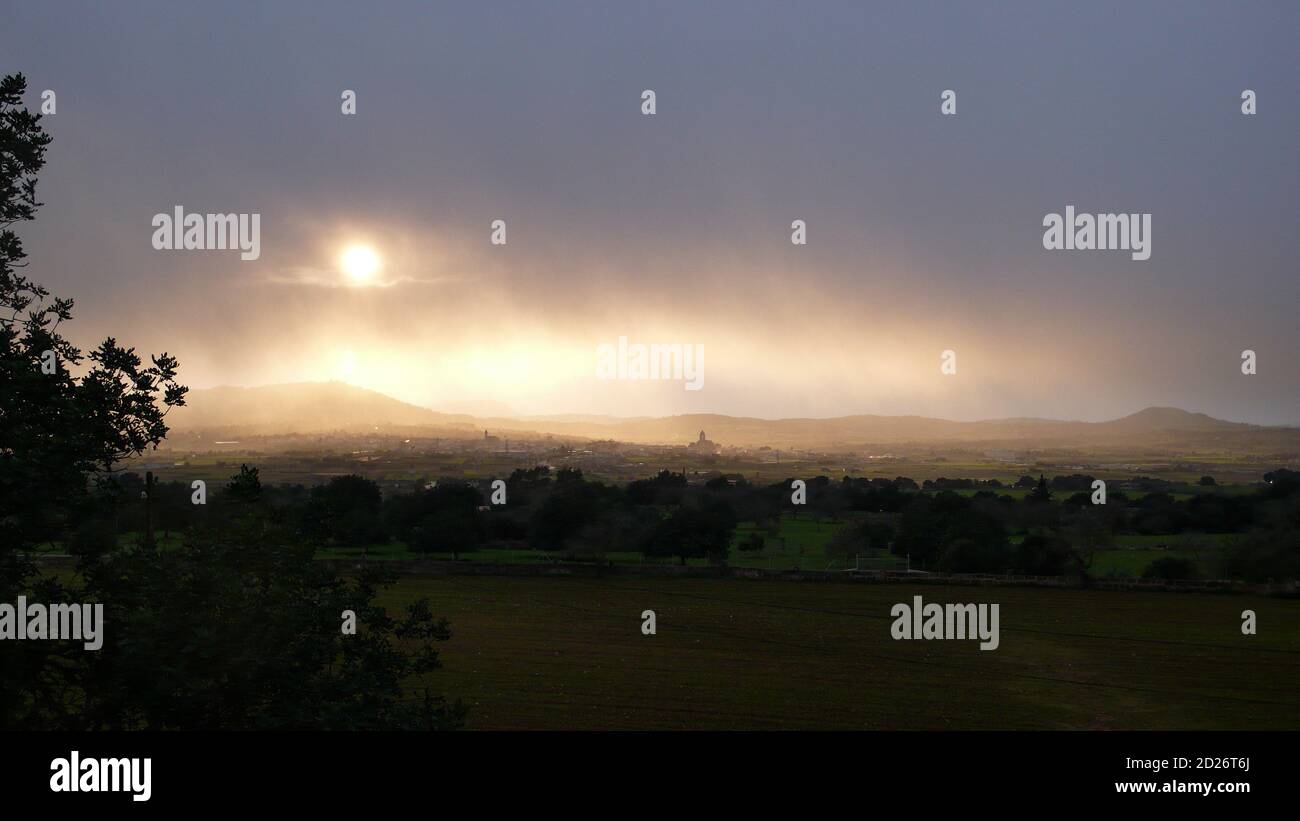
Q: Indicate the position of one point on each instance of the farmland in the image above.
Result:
(566, 653)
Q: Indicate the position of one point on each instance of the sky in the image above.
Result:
(924, 230)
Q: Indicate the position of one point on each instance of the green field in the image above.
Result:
(1134, 553)
(565, 653)
(1132, 562)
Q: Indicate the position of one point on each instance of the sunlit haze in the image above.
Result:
(924, 232)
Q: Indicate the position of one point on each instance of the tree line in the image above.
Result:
(940, 525)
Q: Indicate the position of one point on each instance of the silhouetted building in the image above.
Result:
(704, 447)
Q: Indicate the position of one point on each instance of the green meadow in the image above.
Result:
(565, 653)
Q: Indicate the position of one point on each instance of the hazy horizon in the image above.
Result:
(924, 231)
(459, 408)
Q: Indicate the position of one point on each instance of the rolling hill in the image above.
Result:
(309, 408)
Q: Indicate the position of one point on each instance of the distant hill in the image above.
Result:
(1165, 419)
(1163, 426)
(306, 408)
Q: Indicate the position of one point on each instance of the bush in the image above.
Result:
(1170, 568)
(1265, 555)
(1046, 556)
(969, 556)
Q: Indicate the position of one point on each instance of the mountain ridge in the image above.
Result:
(322, 407)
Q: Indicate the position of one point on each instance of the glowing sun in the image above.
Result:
(360, 264)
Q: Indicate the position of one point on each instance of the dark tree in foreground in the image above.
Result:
(56, 430)
(239, 628)
(242, 629)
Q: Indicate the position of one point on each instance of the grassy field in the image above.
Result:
(1134, 553)
(1132, 562)
(562, 653)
